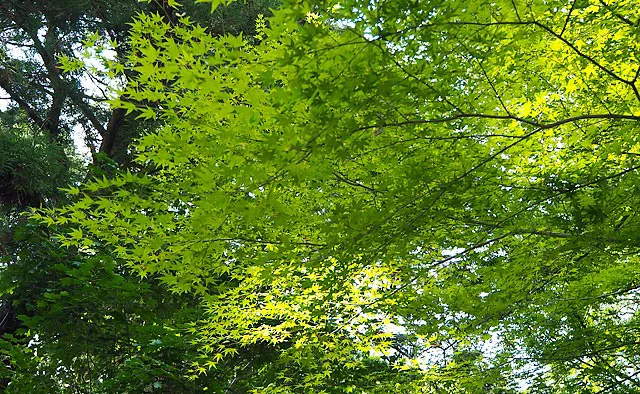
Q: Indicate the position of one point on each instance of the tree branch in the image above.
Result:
(617, 15)
(542, 126)
(110, 133)
(566, 22)
(5, 83)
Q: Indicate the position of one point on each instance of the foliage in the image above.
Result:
(433, 196)
(31, 167)
(88, 326)
(78, 320)
(38, 37)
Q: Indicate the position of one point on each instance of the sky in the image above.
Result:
(90, 86)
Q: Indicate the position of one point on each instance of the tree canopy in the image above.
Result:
(368, 197)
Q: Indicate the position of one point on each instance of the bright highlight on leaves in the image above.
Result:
(358, 178)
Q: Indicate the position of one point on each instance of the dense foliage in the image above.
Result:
(366, 197)
(77, 322)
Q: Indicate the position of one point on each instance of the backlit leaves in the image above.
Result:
(455, 175)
